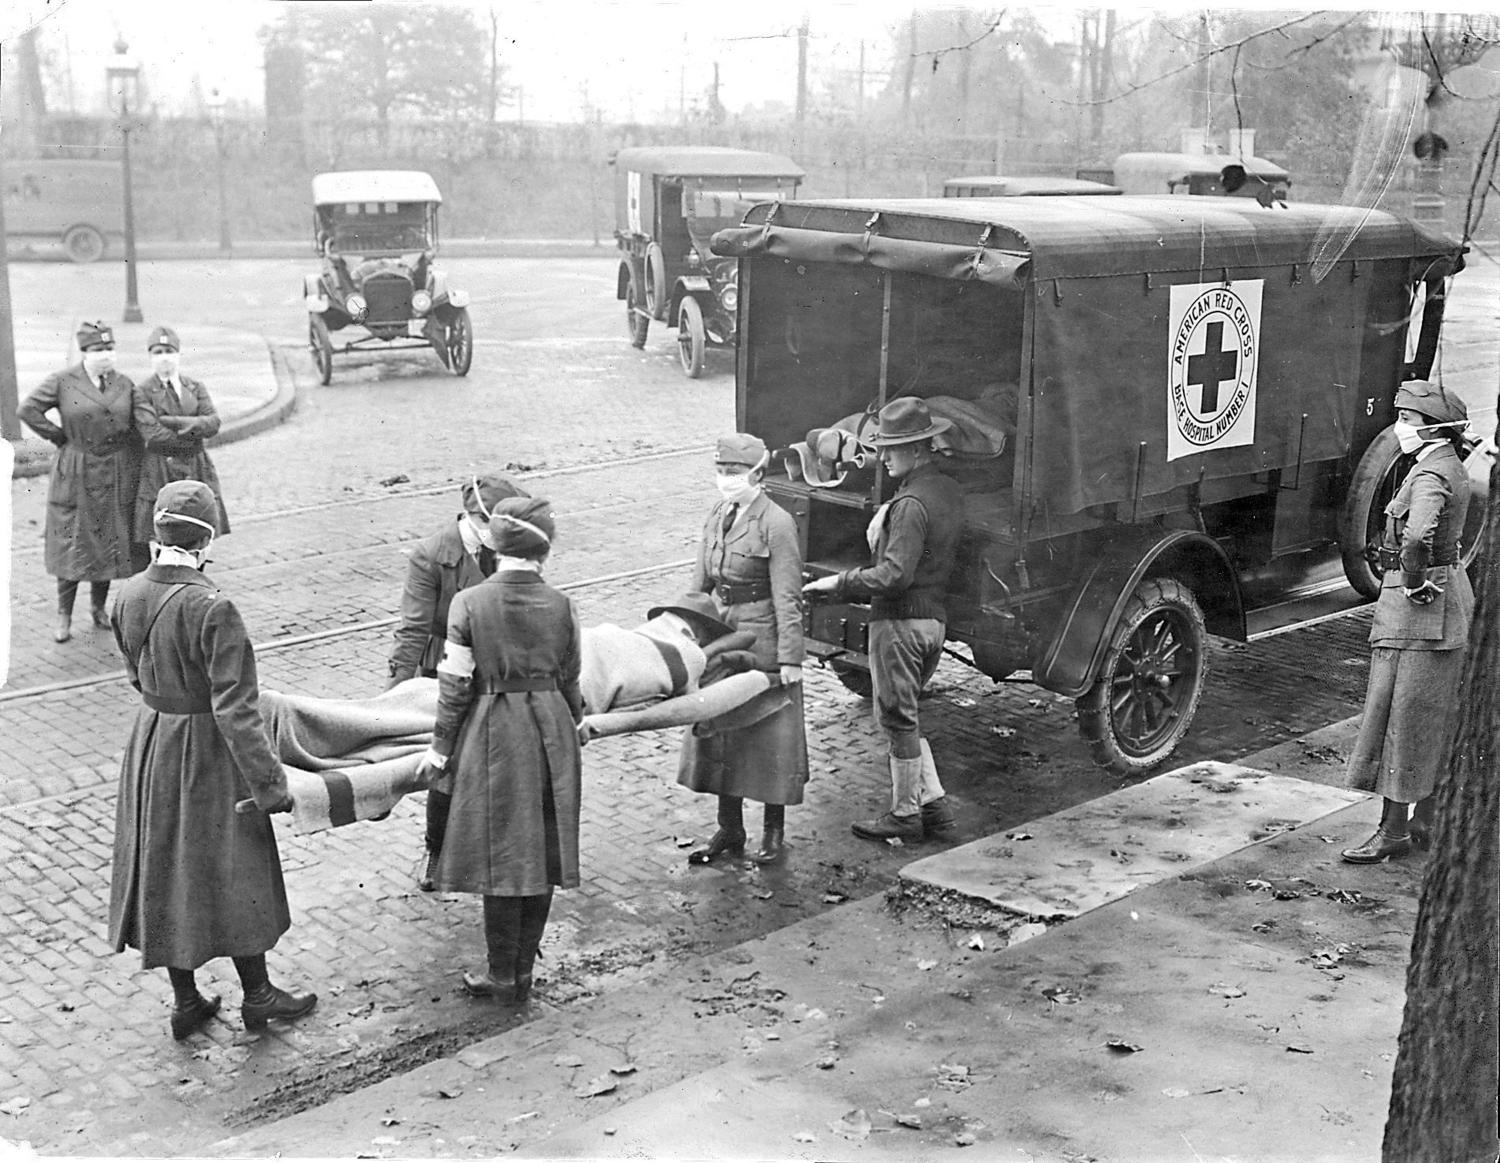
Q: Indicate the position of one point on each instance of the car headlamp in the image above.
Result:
(421, 302)
(729, 298)
(356, 306)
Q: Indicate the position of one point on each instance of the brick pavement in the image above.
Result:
(85, 1037)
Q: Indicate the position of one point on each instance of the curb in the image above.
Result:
(34, 456)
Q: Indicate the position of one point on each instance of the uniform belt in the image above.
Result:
(109, 444)
(176, 706)
(737, 593)
(1389, 559)
(510, 686)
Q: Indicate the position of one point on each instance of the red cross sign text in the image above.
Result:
(1214, 337)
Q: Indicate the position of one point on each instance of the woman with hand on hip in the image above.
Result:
(749, 561)
(91, 493)
(1420, 629)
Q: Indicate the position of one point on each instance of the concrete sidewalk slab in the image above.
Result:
(1106, 848)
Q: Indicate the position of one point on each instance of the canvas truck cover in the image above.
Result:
(1204, 329)
(347, 186)
(637, 168)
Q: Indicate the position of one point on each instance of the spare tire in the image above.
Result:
(656, 282)
(1381, 470)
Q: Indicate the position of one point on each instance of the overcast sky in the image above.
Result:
(635, 60)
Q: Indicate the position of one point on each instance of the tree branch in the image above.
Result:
(1192, 64)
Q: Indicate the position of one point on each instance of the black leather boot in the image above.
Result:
(272, 1003)
(773, 837)
(502, 942)
(939, 821)
(1390, 840)
(427, 882)
(188, 1019)
(98, 604)
(264, 1002)
(1420, 827)
(438, 805)
(730, 838)
(534, 912)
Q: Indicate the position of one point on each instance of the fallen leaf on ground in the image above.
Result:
(1120, 1046)
(449, 1092)
(834, 898)
(390, 1122)
(804, 1137)
(1003, 732)
(1036, 702)
(894, 841)
(763, 896)
(1223, 990)
(683, 841)
(827, 1063)
(1345, 896)
(962, 702)
(965, 1139)
(1263, 926)
(604, 1084)
(1259, 885)
(927, 963)
(854, 1126)
(1018, 835)
(1299, 1050)
(976, 941)
(623, 1068)
(1286, 894)
(912, 1121)
(399, 479)
(1061, 995)
(14, 1106)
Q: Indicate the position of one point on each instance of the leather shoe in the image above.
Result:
(772, 846)
(1378, 847)
(427, 882)
(889, 827)
(722, 841)
(64, 628)
(938, 819)
(188, 1019)
(275, 1004)
(101, 618)
(486, 985)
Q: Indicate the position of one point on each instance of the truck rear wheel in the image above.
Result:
(856, 679)
(637, 322)
(1143, 702)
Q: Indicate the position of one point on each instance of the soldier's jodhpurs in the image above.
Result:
(904, 654)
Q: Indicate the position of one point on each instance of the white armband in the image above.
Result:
(433, 759)
(457, 660)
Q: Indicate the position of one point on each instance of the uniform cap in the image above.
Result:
(1433, 401)
(741, 448)
(905, 421)
(482, 493)
(91, 334)
(522, 525)
(163, 337)
(184, 511)
(699, 611)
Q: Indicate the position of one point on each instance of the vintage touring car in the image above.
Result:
(669, 201)
(1171, 418)
(376, 231)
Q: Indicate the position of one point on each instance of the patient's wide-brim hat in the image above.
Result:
(906, 420)
(1433, 401)
(699, 611)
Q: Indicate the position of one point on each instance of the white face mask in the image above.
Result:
(1409, 436)
(486, 536)
(164, 364)
(96, 363)
(734, 488)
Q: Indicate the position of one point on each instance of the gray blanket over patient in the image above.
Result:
(353, 759)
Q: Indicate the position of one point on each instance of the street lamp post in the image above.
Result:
(216, 116)
(122, 77)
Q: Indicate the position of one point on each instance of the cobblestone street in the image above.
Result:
(323, 509)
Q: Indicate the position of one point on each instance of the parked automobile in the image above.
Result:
(377, 233)
(999, 186)
(1212, 174)
(1164, 426)
(74, 204)
(669, 201)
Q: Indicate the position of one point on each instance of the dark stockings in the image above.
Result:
(184, 988)
(775, 816)
(255, 981)
(1393, 819)
(732, 813)
(438, 804)
(67, 594)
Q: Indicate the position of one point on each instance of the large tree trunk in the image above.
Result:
(1444, 1093)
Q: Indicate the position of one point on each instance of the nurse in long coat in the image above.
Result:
(194, 878)
(174, 414)
(1420, 629)
(91, 492)
(505, 746)
(749, 561)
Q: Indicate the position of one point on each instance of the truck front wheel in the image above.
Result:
(1143, 702)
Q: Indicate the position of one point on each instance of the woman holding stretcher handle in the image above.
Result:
(1420, 629)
